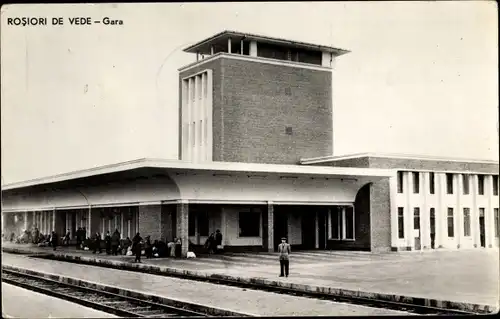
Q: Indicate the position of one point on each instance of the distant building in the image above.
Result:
(255, 145)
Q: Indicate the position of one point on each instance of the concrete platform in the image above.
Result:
(467, 279)
(42, 306)
(238, 300)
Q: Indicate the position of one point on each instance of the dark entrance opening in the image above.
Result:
(280, 227)
(308, 229)
(322, 221)
(482, 232)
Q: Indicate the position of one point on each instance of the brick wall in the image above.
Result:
(150, 221)
(380, 211)
(260, 100)
(254, 102)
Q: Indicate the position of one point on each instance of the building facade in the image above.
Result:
(255, 145)
(434, 202)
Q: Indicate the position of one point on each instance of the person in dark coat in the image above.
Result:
(210, 243)
(115, 242)
(107, 243)
(218, 241)
(97, 243)
(78, 238)
(284, 251)
(54, 240)
(148, 248)
(137, 247)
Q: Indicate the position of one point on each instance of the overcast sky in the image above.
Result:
(421, 78)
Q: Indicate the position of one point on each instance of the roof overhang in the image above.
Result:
(162, 181)
(204, 46)
(214, 167)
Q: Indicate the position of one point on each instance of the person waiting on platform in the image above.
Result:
(218, 241)
(54, 240)
(97, 243)
(148, 248)
(79, 238)
(115, 242)
(67, 238)
(284, 251)
(137, 247)
(178, 248)
(107, 243)
(171, 247)
(125, 245)
(210, 244)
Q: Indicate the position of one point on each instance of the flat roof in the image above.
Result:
(235, 167)
(203, 46)
(333, 158)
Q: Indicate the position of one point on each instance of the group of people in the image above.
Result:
(214, 243)
(35, 237)
(158, 248)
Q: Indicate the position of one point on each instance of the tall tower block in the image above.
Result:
(256, 99)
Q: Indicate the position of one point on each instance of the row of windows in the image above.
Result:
(449, 183)
(450, 221)
(249, 223)
(342, 223)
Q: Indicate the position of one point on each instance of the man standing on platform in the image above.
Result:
(284, 251)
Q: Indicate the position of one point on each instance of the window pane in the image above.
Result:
(416, 218)
(401, 225)
(191, 224)
(335, 223)
(465, 179)
(449, 183)
(495, 185)
(416, 182)
(480, 184)
(349, 222)
(249, 223)
(431, 183)
(451, 229)
(400, 182)
(433, 221)
(497, 226)
(203, 223)
(466, 222)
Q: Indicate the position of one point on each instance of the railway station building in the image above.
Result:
(255, 161)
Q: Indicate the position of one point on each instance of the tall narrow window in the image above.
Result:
(431, 182)
(432, 214)
(451, 226)
(495, 185)
(401, 222)
(416, 182)
(449, 183)
(466, 222)
(336, 222)
(416, 218)
(349, 222)
(497, 221)
(400, 182)
(465, 180)
(480, 184)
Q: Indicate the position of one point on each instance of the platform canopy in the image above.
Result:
(221, 39)
(162, 181)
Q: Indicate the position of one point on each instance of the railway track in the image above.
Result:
(412, 308)
(122, 306)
